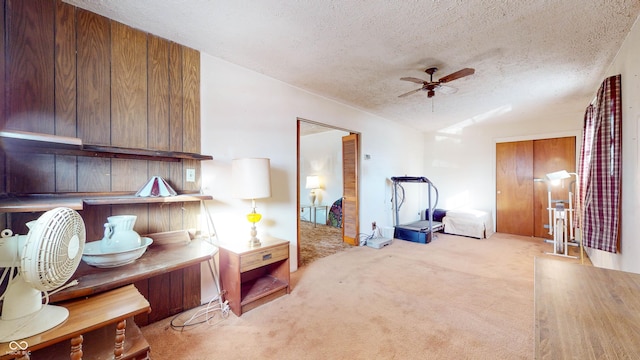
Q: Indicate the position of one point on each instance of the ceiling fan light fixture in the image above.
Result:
(430, 86)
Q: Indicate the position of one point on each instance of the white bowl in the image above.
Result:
(93, 256)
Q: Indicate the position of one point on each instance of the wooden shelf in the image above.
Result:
(24, 141)
(77, 201)
(262, 287)
(158, 259)
(132, 199)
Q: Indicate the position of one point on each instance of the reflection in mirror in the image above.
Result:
(320, 174)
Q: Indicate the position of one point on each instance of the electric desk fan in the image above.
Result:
(42, 261)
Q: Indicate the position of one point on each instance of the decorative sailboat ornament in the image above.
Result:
(155, 187)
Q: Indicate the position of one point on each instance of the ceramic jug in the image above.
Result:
(119, 234)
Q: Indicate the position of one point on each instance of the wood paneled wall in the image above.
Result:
(74, 73)
(67, 71)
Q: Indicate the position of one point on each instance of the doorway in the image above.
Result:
(320, 170)
(521, 192)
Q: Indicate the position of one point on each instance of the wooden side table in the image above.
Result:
(253, 276)
(585, 312)
(313, 213)
(109, 309)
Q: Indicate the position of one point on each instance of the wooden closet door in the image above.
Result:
(350, 210)
(521, 202)
(514, 188)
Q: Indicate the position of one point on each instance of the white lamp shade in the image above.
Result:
(558, 175)
(313, 182)
(251, 178)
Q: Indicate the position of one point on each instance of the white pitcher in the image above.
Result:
(119, 234)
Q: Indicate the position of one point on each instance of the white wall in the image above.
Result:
(246, 114)
(460, 160)
(626, 63)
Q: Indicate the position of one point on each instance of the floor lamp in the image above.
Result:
(251, 179)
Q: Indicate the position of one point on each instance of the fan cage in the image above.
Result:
(53, 249)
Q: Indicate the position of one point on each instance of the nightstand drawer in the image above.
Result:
(263, 257)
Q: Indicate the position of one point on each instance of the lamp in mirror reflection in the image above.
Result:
(313, 183)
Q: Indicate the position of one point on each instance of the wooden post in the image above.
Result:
(118, 351)
(76, 348)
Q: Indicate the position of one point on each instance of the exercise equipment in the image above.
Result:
(561, 217)
(420, 231)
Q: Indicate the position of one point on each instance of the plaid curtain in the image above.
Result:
(583, 162)
(600, 168)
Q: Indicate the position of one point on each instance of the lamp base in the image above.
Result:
(254, 241)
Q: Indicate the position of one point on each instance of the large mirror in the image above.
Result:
(321, 182)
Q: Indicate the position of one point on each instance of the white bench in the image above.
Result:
(468, 222)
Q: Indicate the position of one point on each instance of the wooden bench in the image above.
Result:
(100, 327)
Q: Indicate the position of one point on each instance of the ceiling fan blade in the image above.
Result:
(410, 92)
(445, 89)
(457, 75)
(412, 79)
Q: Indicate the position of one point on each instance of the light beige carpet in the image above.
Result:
(455, 298)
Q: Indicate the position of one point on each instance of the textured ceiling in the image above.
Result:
(537, 54)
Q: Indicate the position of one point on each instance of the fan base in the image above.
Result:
(44, 319)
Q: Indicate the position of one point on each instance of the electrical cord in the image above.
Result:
(202, 314)
(364, 237)
(207, 312)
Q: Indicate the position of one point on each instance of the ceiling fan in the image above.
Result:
(431, 86)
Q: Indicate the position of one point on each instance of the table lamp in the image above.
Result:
(313, 183)
(251, 179)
